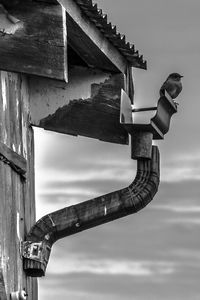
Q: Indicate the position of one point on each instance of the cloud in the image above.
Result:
(185, 221)
(187, 254)
(60, 178)
(76, 264)
(181, 167)
(182, 209)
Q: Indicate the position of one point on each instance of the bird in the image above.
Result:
(172, 85)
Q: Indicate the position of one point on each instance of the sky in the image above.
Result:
(153, 254)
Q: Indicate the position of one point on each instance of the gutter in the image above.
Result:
(76, 218)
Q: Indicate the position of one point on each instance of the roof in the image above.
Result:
(100, 20)
(97, 17)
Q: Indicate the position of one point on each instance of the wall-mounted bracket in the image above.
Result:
(37, 253)
(91, 213)
(18, 295)
(146, 124)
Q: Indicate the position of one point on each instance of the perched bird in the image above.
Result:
(172, 85)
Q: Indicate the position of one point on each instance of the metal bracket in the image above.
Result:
(157, 121)
(146, 123)
(35, 250)
(37, 254)
(19, 295)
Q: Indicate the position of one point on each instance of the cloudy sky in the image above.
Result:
(153, 254)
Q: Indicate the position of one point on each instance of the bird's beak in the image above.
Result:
(181, 76)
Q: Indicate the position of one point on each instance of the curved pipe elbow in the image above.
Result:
(85, 215)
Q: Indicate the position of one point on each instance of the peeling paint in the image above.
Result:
(105, 210)
(18, 226)
(65, 43)
(3, 85)
(17, 105)
(13, 147)
(8, 23)
(24, 137)
(53, 224)
(19, 148)
(5, 138)
(24, 96)
(5, 104)
(47, 237)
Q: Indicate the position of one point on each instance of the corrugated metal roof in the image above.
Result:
(100, 20)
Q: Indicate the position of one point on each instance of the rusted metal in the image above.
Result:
(100, 210)
(141, 144)
(36, 252)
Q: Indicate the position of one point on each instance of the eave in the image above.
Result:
(99, 22)
(108, 30)
(37, 43)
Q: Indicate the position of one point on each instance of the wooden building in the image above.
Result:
(63, 66)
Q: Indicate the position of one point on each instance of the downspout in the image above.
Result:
(85, 215)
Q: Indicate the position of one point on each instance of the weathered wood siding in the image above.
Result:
(33, 39)
(17, 211)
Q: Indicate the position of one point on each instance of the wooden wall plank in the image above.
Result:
(2, 230)
(17, 203)
(39, 44)
(2, 286)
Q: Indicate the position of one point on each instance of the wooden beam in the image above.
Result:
(89, 42)
(85, 215)
(17, 162)
(33, 39)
